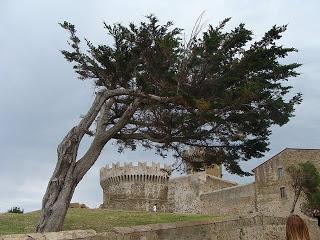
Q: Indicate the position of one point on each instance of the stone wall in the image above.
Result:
(184, 192)
(140, 187)
(137, 188)
(135, 195)
(213, 183)
(236, 200)
(249, 228)
(268, 181)
(63, 235)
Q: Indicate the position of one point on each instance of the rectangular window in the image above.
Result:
(283, 193)
(280, 172)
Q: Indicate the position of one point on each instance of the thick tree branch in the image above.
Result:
(92, 154)
(163, 140)
(104, 116)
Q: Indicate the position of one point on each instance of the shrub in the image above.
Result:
(15, 210)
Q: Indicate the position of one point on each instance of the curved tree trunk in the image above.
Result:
(63, 182)
(69, 172)
(61, 185)
(67, 175)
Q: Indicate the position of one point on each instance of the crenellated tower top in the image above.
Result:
(130, 172)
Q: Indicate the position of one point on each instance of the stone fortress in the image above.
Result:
(139, 187)
(131, 187)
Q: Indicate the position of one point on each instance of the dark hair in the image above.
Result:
(297, 229)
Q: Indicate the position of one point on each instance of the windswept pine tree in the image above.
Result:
(220, 91)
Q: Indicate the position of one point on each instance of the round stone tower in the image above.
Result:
(138, 188)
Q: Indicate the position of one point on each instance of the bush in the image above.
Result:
(15, 210)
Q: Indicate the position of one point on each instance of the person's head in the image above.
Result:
(296, 229)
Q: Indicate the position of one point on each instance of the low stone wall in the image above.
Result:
(63, 235)
(249, 228)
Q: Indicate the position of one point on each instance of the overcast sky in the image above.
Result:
(41, 98)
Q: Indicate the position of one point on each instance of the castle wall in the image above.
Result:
(235, 200)
(140, 187)
(184, 192)
(136, 188)
(136, 195)
(268, 181)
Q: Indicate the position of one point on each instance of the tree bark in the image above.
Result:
(69, 172)
(61, 186)
(295, 200)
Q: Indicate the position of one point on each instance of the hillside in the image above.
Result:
(98, 219)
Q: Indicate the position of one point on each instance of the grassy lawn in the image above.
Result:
(97, 219)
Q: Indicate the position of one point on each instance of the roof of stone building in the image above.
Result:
(286, 149)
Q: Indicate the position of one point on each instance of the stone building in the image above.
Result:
(140, 187)
(272, 183)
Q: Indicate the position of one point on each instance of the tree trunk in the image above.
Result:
(61, 185)
(63, 182)
(54, 212)
(295, 200)
(69, 172)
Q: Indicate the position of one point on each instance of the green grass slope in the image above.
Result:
(98, 219)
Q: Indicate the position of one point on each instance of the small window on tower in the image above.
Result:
(283, 193)
(280, 172)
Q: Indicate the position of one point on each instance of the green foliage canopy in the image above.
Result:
(311, 186)
(220, 90)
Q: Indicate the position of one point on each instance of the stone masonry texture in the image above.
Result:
(139, 187)
(255, 227)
